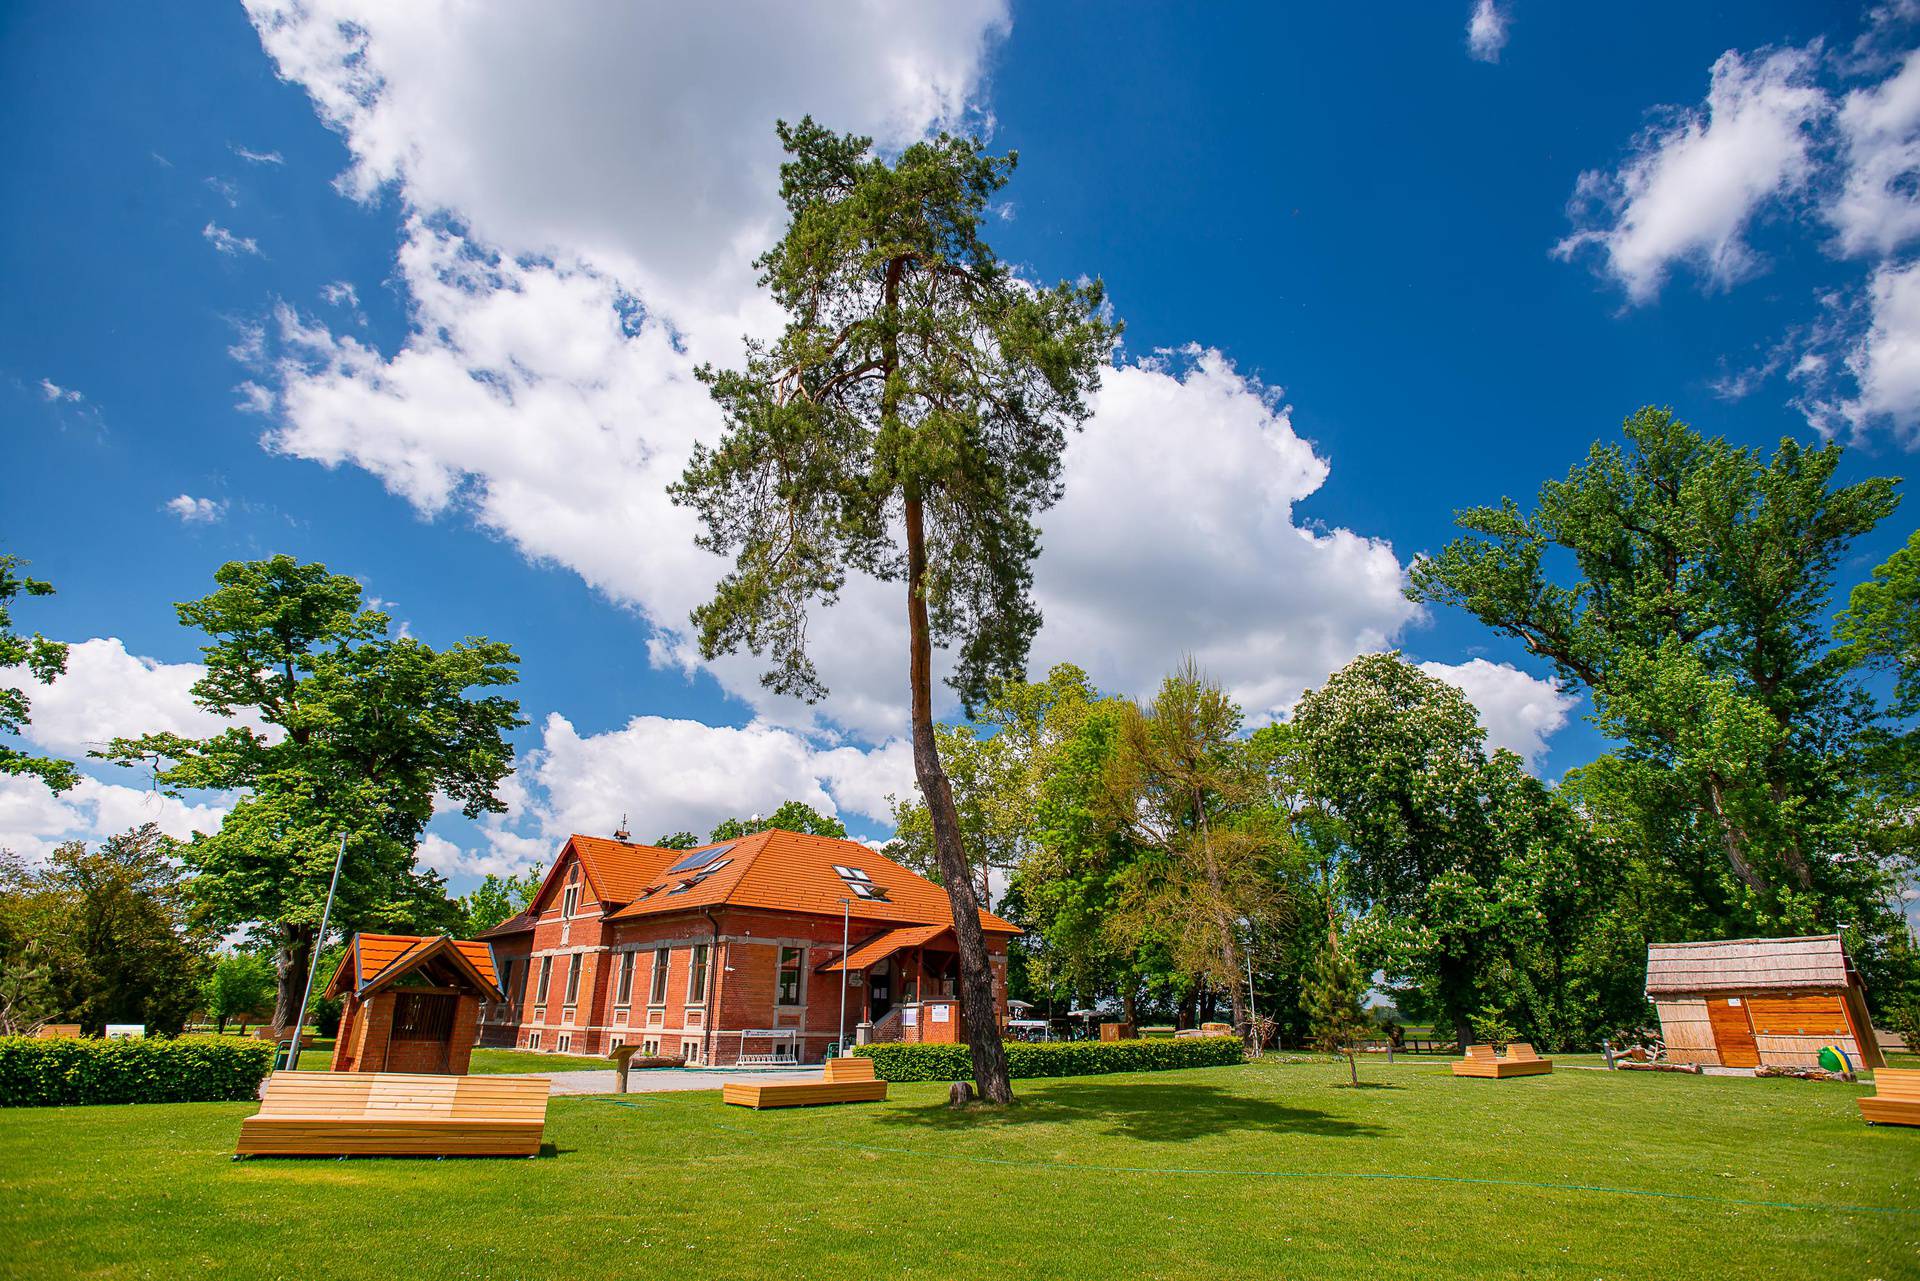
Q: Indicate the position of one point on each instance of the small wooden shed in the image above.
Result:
(1747, 1002)
(412, 1003)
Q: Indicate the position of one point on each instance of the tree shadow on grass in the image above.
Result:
(1147, 1111)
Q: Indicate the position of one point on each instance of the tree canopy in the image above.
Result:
(907, 424)
(361, 733)
(46, 660)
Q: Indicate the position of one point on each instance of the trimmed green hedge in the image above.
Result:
(64, 1073)
(899, 1062)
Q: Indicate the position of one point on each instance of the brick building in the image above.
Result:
(411, 1003)
(730, 953)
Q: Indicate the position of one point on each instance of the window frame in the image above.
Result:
(570, 901)
(657, 981)
(623, 980)
(546, 980)
(573, 980)
(798, 973)
(699, 957)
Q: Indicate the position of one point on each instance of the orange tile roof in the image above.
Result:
(792, 872)
(617, 870)
(372, 955)
(874, 951)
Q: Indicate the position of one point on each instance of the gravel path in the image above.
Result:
(658, 1080)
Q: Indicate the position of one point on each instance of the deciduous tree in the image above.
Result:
(1694, 607)
(46, 660)
(363, 732)
(907, 424)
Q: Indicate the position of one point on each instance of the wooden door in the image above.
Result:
(1733, 1033)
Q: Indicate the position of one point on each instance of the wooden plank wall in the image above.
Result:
(1684, 1027)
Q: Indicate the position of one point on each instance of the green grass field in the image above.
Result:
(1270, 1170)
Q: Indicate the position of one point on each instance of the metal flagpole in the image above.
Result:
(846, 921)
(313, 963)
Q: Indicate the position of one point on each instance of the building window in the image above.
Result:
(690, 1049)
(659, 976)
(573, 979)
(615, 1043)
(546, 981)
(506, 981)
(791, 960)
(697, 974)
(570, 902)
(533, 1040)
(625, 989)
(650, 1046)
(563, 1043)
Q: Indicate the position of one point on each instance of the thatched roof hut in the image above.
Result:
(1748, 1002)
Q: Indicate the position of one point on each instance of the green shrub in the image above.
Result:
(191, 1069)
(898, 1062)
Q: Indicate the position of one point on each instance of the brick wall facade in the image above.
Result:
(741, 992)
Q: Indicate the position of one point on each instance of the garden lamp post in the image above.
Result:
(313, 962)
(846, 925)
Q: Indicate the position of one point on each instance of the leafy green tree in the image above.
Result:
(363, 732)
(1881, 625)
(111, 926)
(1881, 630)
(1180, 788)
(1334, 1003)
(1471, 879)
(792, 816)
(907, 424)
(1695, 614)
(46, 660)
(496, 899)
(678, 841)
(239, 984)
(996, 765)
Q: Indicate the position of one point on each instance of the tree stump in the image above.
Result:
(960, 1095)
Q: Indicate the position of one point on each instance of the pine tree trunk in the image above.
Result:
(977, 1004)
(290, 965)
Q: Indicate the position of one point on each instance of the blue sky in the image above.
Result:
(419, 299)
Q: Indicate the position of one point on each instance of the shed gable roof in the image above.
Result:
(373, 960)
(1744, 965)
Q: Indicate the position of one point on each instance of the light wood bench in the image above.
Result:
(57, 1032)
(849, 1080)
(1519, 1060)
(1896, 1097)
(396, 1114)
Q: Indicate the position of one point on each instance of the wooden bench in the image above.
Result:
(1896, 1097)
(57, 1032)
(845, 1081)
(396, 1114)
(1519, 1060)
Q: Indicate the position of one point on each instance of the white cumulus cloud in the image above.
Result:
(1518, 711)
(1877, 208)
(1487, 31)
(197, 511)
(1692, 184)
(227, 243)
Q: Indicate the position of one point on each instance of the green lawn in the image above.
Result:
(1271, 1170)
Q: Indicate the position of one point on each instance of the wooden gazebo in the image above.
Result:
(412, 1004)
(1746, 1003)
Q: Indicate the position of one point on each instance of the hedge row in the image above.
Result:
(57, 1073)
(898, 1062)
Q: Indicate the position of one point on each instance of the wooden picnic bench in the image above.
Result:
(1896, 1097)
(57, 1032)
(849, 1080)
(396, 1114)
(1519, 1060)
